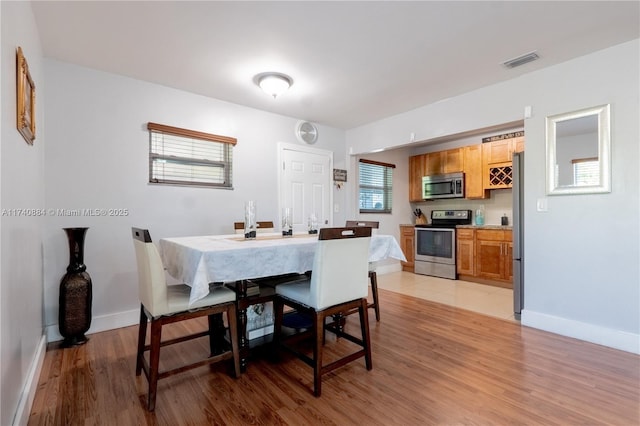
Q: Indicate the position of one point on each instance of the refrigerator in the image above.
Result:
(518, 233)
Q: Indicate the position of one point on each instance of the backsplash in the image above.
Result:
(494, 207)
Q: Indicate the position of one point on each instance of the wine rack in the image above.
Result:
(501, 177)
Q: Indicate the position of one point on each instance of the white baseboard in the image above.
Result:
(21, 417)
(100, 323)
(616, 339)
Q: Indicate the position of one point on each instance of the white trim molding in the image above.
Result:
(31, 385)
(612, 338)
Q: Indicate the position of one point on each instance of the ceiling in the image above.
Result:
(352, 62)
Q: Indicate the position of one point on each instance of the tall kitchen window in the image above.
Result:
(376, 186)
(187, 157)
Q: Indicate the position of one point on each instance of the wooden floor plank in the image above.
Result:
(433, 364)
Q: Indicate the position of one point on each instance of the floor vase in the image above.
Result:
(74, 317)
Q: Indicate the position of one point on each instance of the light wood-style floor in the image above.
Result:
(433, 364)
(481, 298)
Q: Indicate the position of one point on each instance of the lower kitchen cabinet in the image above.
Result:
(407, 244)
(485, 255)
(494, 255)
(465, 252)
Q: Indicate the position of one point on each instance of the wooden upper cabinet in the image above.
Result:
(417, 169)
(497, 159)
(434, 164)
(518, 144)
(449, 161)
(473, 168)
(453, 160)
(497, 152)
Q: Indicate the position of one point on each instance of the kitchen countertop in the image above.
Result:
(508, 227)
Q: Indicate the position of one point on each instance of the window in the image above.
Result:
(586, 171)
(186, 157)
(375, 180)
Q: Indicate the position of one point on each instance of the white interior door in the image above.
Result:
(305, 184)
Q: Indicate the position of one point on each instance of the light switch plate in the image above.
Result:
(541, 205)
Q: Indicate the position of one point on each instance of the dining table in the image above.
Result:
(199, 261)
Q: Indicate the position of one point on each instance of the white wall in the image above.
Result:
(97, 157)
(21, 187)
(581, 263)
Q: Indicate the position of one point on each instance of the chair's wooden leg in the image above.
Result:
(154, 362)
(318, 327)
(216, 334)
(364, 325)
(374, 291)
(142, 335)
(278, 313)
(233, 333)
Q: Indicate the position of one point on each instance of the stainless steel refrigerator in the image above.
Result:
(518, 233)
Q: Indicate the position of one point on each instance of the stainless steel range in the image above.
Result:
(436, 243)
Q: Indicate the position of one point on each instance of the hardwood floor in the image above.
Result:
(432, 364)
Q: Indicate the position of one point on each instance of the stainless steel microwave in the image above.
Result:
(450, 185)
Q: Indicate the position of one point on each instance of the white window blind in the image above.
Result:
(376, 186)
(586, 171)
(186, 157)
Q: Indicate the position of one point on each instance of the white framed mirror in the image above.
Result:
(579, 152)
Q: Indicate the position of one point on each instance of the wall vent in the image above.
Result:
(521, 60)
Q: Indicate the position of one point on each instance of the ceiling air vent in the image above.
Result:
(521, 60)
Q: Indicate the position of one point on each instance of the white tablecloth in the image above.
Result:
(198, 261)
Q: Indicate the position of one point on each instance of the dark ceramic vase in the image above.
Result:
(74, 317)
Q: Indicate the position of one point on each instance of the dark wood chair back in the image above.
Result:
(239, 226)
(370, 223)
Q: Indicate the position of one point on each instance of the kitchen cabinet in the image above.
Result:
(465, 251)
(449, 161)
(417, 168)
(407, 244)
(473, 183)
(433, 163)
(493, 252)
(484, 255)
(486, 166)
(497, 160)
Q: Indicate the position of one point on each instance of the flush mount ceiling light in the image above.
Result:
(274, 83)
(521, 60)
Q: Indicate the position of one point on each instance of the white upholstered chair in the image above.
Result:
(162, 304)
(373, 277)
(338, 283)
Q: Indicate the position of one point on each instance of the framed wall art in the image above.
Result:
(26, 91)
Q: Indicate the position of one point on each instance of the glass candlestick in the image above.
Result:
(250, 219)
(313, 224)
(287, 222)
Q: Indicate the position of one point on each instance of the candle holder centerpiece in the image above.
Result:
(250, 224)
(287, 222)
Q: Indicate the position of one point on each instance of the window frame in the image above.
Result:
(386, 188)
(195, 136)
(581, 168)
